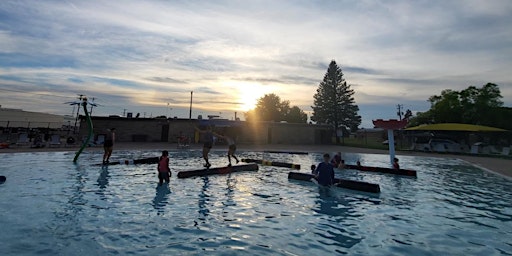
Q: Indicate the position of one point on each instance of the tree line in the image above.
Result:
(481, 106)
(333, 104)
(271, 108)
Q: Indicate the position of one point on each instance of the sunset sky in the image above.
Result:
(146, 56)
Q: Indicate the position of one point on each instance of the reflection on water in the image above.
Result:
(203, 199)
(76, 195)
(161, 197)
(335, 214)
(103, 178)
(230, 191)
(451, 208)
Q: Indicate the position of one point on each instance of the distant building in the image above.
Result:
(17, 118)
(169, 130)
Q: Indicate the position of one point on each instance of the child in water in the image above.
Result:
(396, 166)
(325, 172)
(232, 147)
(164, 172)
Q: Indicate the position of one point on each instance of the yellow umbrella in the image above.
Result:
(455, 127)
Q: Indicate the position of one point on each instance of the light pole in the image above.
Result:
(190, 111)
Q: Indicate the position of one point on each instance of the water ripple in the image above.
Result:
(83, 209)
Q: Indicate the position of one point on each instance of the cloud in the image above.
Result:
(143, 55)
(166, 80)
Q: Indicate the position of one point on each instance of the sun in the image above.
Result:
(248, 101)
(248, 95)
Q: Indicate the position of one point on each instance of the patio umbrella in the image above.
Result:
(455, 127)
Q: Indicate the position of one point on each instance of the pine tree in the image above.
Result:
(334, 102)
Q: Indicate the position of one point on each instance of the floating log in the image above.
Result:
(286, 152)
(272, 163)
(218, 170)
(3, 179)
(150, 160)
(382, 170)
(342, 183)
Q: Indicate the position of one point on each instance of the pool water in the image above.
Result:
(50, 206)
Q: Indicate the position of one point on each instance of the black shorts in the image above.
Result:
(207, 145)
(163, 176)
(232, 147)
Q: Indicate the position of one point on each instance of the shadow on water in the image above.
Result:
(203, 200)
(229, 201)
(68, 219)
(336, 215)
(161, 197)
(77, 200)
(230, 190)
(102, 183)
(103, 178)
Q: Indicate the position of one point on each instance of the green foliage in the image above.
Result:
(420, 118)
(501, 118)
(296, 115)
(472, 105)
(334, 102)
(408, 114)
(271, 108)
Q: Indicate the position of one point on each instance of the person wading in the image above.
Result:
(108, 145)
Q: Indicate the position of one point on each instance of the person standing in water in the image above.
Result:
(396, 166)
(325, 172)
(207, 143)
(164, 172)
(108, 145)
(232, 147)
(336, 160)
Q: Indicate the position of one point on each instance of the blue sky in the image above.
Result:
(146, 56)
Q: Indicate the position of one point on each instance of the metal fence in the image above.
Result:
(18, 132)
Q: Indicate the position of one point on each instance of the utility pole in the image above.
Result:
(399, 113)
(190, 111)
(124, 112)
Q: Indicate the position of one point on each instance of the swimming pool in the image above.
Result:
(50, 206)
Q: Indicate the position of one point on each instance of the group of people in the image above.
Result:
(324, 172)
(164, 172)
(208, 135)
(337, 161)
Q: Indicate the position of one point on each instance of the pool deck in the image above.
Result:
(500, 166)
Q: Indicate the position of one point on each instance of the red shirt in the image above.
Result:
(163, 164)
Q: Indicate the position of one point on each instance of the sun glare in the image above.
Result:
(248, 95)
